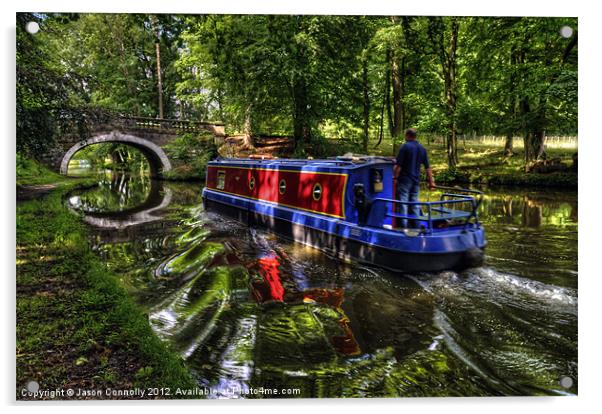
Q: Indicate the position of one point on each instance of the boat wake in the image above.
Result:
(523, 317)
(501, 288)
(543, 291)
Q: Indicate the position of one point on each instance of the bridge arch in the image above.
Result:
(155, 155)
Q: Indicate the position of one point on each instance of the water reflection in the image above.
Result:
(533, 234)
(247, 309)
(116, 192)
(120, 201)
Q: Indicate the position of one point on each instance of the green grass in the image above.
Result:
(77, 327)
(31, 172)
(486, 164)
(479, 163)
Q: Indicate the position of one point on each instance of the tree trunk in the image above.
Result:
(248, 127)
(451, 95)
(534, 135)
(382, 114)
(158, 52)
(301, 127)
(534, 146)
(514, 104)
(390, 122)
(388, 96)
(396, 80)
(402, 107)
(366, 104)
(301, 102)
(447, 52)
(509, 145)
(452, 145)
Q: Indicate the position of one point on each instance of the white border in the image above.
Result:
(590, 142)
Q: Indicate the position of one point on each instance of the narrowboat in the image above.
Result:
(346, 207)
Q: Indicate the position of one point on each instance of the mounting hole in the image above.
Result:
(32, 27)
(33, 386)
(566, 31)
(566, 382)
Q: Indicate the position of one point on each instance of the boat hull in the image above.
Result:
(350, 249)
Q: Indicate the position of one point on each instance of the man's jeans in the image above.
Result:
(407, 190)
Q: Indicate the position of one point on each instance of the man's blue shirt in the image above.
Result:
(411, 155)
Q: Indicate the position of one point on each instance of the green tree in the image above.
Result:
(45, 94)
(287, 72)
(523, 77)
(345, 77)
(443, 33)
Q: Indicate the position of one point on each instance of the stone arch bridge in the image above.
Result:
(149, 135)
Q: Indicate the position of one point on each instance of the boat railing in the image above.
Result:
(458, 192)
(461, 206)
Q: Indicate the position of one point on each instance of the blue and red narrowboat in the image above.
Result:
(346, 207)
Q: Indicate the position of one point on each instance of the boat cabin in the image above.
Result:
(326, 187)
(356, 190)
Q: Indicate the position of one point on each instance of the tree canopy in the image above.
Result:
(309, 77)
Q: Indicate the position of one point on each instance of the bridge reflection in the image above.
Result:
(118, 204)
(128, 218)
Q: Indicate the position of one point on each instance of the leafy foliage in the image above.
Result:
(192, 153)
(43, 91)
(311, 77)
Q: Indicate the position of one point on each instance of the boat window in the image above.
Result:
(252, 183)
(377, 179)
(221, 180)
(317, 191)
(282, 187)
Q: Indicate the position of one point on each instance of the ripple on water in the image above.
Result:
(192, 260)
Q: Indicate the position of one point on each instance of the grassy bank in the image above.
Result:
(30, 173)
(486, 164)
(76, 325)
(481, 163)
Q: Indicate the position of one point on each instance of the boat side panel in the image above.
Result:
(265, 185)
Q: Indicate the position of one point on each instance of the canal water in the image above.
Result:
(247, 309)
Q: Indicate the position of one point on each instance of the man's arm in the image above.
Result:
(429, 171)
(429, 178)
(398, 162)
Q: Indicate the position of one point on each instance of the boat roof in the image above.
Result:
(336, 163)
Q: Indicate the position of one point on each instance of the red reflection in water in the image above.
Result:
(270, 288)
(344, 344)
(331, 297)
